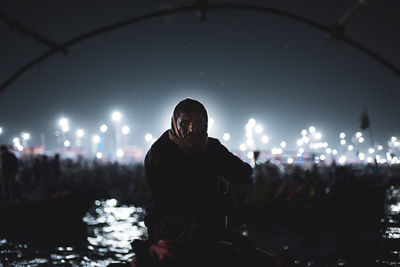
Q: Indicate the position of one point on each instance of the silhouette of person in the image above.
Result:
(55, 171)
(182, 169)
(9, 167)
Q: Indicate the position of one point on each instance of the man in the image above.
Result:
(185, 223)
(9, 167)
(182, 169)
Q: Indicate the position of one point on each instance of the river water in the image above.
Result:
(111, 226)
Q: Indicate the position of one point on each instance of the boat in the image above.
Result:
(180, 253)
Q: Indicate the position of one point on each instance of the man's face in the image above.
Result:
(190, 124)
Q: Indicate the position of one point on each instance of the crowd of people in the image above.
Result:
(35, 177)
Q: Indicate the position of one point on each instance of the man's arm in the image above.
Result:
(230, 166)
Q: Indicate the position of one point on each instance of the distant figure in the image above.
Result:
(55, 170)
(9, 167)
(44, 171)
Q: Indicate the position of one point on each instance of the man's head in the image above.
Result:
(190, 118)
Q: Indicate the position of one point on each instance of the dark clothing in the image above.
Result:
(9, 166)
(186, 202)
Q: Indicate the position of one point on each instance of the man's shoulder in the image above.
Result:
(160, 145)
(213, 141)
(162, 142)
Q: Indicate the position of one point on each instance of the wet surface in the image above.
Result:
(109, 229)
(111, 226)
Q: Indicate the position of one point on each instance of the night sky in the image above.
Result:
(240, 64)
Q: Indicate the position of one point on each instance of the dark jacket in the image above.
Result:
(184, 188)
(9, 165)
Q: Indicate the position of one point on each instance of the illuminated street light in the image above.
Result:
(252, 122)
(264, 139)
(311, 129)
(148, 137)
(25, 136)
(283, 144)
(342, 160)
(322, 157)
(63, 121)
(249, 134)
(358, 134)
(125, 130)
(250, 155)
(361, 156)
(342, 142)
(258, 129)
(350, 147)
(361, 139)
(99, 155)
(16, 140)
(248, 127)
(67, 143)
(303, 132)
(334, 152)
(289, 160)
(64, 124)
(242, 147)
(120, 153)
(250, 142)
(65, 128)
(342, 135)
(328, 151)
(96, 139)
(116, 116)
(299, 142)
(226, 136)
(318, 136)
(103, 128)
(371, 150)
(80, 133)
(380, 147)
(1, 130)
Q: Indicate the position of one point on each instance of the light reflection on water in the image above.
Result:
(391, 231)
(110, 229)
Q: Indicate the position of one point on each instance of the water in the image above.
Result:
(110, 227)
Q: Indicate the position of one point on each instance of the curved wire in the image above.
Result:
(203, 7)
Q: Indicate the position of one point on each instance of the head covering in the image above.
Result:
(189, 105)
(193, 145)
